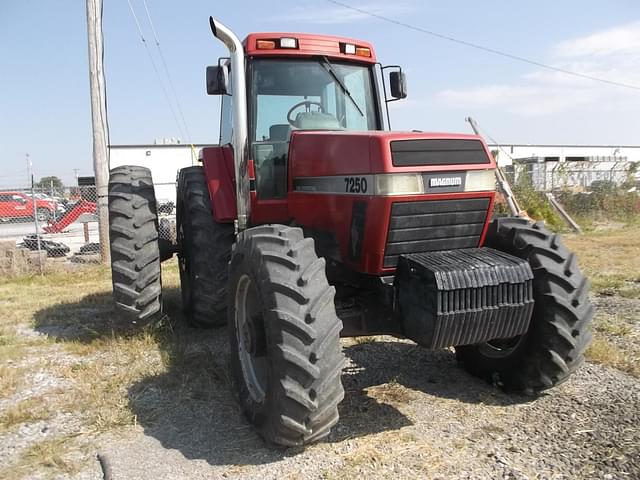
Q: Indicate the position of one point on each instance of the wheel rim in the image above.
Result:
(502, 347)
(251, 338)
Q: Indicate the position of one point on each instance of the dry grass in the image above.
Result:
(611, 259)
(613, 325)
(27, 411)
(603, 351)
(9, 378)
(392, 393)
(386, 455)
(84, 346)
(49, 457)
(101, 384)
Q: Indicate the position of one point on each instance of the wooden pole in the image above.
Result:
(99, 122)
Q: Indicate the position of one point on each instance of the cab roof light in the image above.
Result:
(348, 48)
(351, 49)
(363, 52)
(266, 44)
(275, 43)
(288, 43)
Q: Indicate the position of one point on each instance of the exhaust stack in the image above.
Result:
(240, 140)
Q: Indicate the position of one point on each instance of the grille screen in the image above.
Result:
(427, 226)
(408, 153)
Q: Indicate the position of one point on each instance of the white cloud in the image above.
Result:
(621, 39)
(525, 100)
(612, 54)
(335, 14)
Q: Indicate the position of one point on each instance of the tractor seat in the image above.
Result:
(316, 121)
(279, 132)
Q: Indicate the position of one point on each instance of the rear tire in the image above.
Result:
(559, 332)
(205, 250)
(284, 335)
(133, 236)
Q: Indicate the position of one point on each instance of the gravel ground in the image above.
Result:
(408, 413)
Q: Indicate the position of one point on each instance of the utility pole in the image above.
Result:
(28, 169)
(99, 122)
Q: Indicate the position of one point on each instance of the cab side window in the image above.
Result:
(226, 115)
(226, 120)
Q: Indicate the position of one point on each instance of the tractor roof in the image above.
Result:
(307, 45)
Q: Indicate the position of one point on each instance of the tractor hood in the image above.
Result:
(332, 153)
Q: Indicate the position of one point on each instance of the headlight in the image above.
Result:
(480, 180)
(409, 184)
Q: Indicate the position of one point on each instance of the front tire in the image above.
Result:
(133, 237)
(285, 336)
(204, 252)
(559, 332)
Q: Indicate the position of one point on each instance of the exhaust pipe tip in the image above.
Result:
(212, 24)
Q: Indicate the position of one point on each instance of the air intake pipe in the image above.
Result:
(240, 139)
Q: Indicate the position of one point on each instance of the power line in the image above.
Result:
(155, 69)
(483, 48)
(166, 70)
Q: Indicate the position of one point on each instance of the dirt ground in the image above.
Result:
(77, 382)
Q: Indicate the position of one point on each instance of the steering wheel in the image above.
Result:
(306, 103)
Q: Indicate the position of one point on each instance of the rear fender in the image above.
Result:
(219, 173)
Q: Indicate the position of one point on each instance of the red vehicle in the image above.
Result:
(16, 205)
(312, 220)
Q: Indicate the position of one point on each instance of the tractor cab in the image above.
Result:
(300, 82)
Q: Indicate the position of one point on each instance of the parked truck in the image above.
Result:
(15, 205)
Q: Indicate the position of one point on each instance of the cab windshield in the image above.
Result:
(313, 94)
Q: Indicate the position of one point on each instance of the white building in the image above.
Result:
(562, 153)
(164, 161)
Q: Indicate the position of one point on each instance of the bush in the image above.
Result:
(604, 202)
(535, 203)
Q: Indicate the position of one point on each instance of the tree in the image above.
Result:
(51, 185)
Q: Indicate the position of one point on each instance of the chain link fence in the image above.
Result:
(584, 193)
(574, 176)
(40, 227)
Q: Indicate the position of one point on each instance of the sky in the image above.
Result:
(44, 83)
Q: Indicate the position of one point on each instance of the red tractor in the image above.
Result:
(311, 221)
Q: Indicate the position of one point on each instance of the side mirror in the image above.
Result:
(217, 80)
(398, 84)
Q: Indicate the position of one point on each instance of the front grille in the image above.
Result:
(431, 225)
